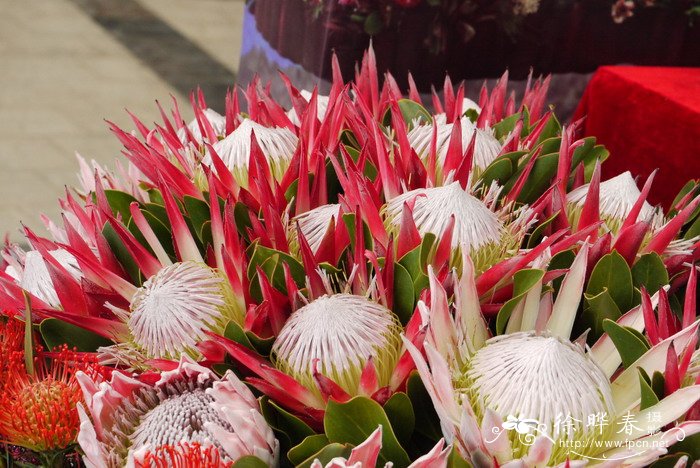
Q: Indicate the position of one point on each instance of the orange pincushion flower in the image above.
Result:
(182, 455)
(11, 336)
(37, 411)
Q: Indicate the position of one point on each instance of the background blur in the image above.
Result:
(67, 65)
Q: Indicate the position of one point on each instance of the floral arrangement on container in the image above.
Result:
(355, 281)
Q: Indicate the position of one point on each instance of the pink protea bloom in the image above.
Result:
(366, 454)
(130, 420)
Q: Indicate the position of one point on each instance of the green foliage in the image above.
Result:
(57, 332)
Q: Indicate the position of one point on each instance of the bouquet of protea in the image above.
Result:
(355, 281)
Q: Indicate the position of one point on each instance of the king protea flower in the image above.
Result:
(314, 225)
(617, 198)
(533, 395)
(32, 274)
(277, 144)
(38, 405)
(366, 454)
(486, 149)
(321, 107)
(487, 234)
(189, 413)
(216, 120)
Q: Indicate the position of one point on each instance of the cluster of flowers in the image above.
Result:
(354, 281)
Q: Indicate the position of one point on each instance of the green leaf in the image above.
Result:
(690, 186)
(262, 255)
(404, 295)
(628, 343)
(598, 308)
(249, 461)
(326, 454)
(455, 460)
(198, 213)
(307, 448)
(544, 169)
(57, 332)
(523, 282)
(427, 421)
(399, 410)
(122, 253)
(234, 332)
(290, 430)
(120, 202)
(691, 446)
(611, 273)
(535, 238)
(669, 461)
(373, 23)
(499, 170)
(658, 382)
(649, 271)
(353, 422)
(505, 126)
(649, 398)
(410, 110)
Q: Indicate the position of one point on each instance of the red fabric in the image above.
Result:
(648, 118)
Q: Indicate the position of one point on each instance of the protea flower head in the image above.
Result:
(321, 107)
(188, 411)
(336, 336)
(366, 454)
(314, 225)
(617, 198)
(487, 235)
(486, 150)
(171, 311)
(38, 406)
(216, 120)
(32, 274)
(535, 396)
(277, 144)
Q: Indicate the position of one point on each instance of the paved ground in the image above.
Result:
(65, 65)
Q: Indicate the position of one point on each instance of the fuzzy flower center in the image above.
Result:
(179, 418)
(277, 145)
(617, 197)
(336, 335)
(486, 149)
(314, 225)
(540, 378)
(475, 225)
(173, 309)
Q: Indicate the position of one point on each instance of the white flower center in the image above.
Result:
(179, 418)
(340, 333)
(277, 144)
(171, 311)
(475, 225)
(617, 197)
(486, 149)
(314, 224)
(545, 378)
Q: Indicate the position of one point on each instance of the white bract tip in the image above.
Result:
(217, 121)
(336, 335)
(173, 309)
(34, 275)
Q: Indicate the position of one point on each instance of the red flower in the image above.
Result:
(38, 410)
(182, 455)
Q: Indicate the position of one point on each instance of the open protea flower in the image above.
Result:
(486, 150)
(365, 455)
(31, 272)
(617, 198)
(314, 225)
(171, 311)
(216, 120)
(189, 412)
(535, 396)
(337, 336)
(487, 235)
(38, 405)
(277, 145)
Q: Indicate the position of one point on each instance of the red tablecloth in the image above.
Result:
(648, 117)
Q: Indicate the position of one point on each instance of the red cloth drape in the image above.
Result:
(648, 117)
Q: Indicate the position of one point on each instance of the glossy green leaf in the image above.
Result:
(628, 343)
(327, 453)
(649, 398)
(427, 421)
(500, 170)
(353, 422)
(234, 332)
(122, 254)
(410, 111)
(198, 213)
(597, 309)
(505, 126)
(612, 273)
(649, 271)
(120, 202)
(56, 333)
(399, 410)
(249, 461)
(307, 448)
(289, 429)
(404, 295)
